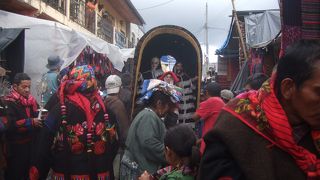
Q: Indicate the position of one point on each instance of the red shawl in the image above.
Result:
(28, 103)
(262, 111)
(73, 89)
(173, 75)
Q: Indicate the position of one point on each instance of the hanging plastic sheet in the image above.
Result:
(241, 78)
(262, 28)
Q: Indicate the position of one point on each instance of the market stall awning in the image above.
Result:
(7, 36)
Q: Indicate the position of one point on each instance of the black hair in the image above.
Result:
(20, 77)
(297, 63)
(126, 79)
(182, 140)
(175, 66)
(255, 81)
(213, 89)
(158, 96)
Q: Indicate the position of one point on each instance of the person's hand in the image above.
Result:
(44, 115)
(37, 122)
(145, 176)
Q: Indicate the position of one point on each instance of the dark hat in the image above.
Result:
(54, 62)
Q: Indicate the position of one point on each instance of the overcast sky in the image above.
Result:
(190, 14)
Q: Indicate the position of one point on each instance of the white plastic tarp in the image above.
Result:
(44, 38)
(262, 28)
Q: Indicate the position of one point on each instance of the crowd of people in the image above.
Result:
(268, 131)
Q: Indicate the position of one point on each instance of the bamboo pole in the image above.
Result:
(243, 45)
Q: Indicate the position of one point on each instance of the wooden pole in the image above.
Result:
(243, 45)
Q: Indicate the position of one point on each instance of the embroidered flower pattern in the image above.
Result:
(99, 147)
(100, 129)
(77, 129)
(250, 103)
(77, 147)
(103, 132)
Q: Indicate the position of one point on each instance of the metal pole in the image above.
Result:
(240, 33)
(207, 43)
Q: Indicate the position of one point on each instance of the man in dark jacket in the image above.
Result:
(125, 93)
(272, 133)
(22, 127)
(117, 108)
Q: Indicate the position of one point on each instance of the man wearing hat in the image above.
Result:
(54, 64)
(226, 95)
(116, 107)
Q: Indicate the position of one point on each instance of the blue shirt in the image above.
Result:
(52, 82)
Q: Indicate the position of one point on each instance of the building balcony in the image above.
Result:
(82, 15)
(131, 44)
(120, 39)
(75, 14)
(59, 5)
(105, 30)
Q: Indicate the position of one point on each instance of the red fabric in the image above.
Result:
(84, 103)
(100, 128)
(262, 112)
(77, 148)
(28, 103)
(56, 175)
(209, 111)
(71, 90)
(78, 177)
(33, 173)
(283, 133)
(99, 147)
(173, 75)
(104, 176)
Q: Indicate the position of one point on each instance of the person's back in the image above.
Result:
(125, 93)
(52, 84)
(145, 125)
(209, 109)
(79, 133)
(51, 77)
(116, 107)
(145, 140)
